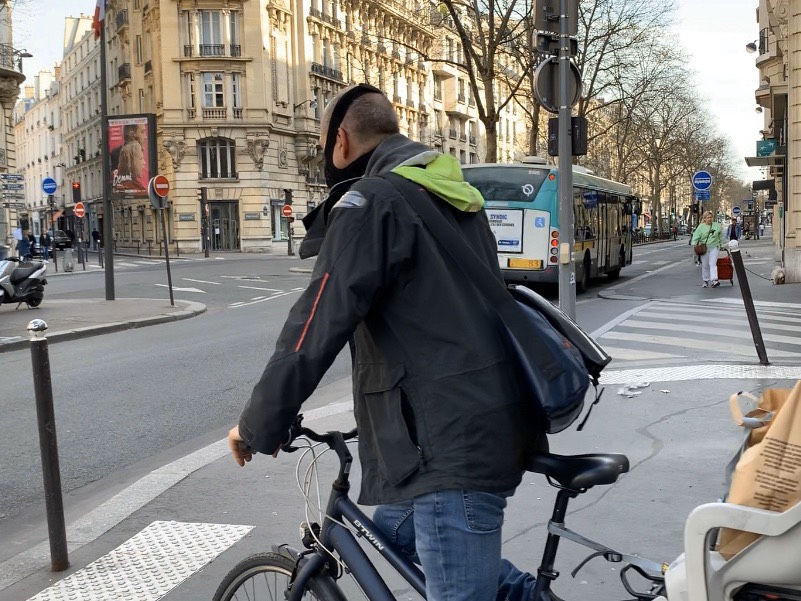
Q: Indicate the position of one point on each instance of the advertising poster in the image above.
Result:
(507, 225)
(131, 151)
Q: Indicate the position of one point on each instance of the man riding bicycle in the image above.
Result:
(442, 423)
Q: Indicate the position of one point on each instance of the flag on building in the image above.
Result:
(100, 14)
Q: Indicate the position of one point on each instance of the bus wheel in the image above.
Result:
(584, 280)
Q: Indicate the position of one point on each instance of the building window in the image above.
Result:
(139, 50)
(141, 101)
(234, 29)
(437, 88)
(236, 95)
(211, 38)
(213, 93)
(136, 5)
(217, 158)
(190, 91)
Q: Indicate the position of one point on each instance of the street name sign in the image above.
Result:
(13, 186)
(12, 177)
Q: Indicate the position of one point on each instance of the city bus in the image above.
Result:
(522, 204)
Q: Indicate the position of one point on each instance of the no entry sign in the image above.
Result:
(79, 209)
(286, 210)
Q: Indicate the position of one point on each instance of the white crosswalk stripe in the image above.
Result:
(712, 330)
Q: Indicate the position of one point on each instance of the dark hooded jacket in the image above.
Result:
(436, 397)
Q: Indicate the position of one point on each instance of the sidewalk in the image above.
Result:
(71, 319)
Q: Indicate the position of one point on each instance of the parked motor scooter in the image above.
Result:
(22, 281)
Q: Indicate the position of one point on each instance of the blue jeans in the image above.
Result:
(455, 536)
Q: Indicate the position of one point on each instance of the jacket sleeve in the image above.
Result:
(363, 250)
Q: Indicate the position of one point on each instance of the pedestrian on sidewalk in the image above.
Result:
(44, 242)
(709, 233)
(95, 239)
(24, 246)
(438, 404)
(733, 230)
(761, 228)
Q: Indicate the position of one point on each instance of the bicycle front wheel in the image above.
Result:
(265, 576)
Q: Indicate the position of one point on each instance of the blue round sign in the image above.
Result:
(49, 185)
(735, 210)
(702, 180)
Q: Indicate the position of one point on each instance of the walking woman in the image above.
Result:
(708, 233)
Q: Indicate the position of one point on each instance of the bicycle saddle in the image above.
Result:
(576, 472)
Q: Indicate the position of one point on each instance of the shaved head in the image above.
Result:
(369, 119)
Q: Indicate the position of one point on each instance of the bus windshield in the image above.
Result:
(509, 184)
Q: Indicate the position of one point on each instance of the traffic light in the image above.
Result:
(76, 192)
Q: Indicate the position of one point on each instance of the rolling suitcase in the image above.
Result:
(726, 268)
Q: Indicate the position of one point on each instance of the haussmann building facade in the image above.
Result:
(237, 88)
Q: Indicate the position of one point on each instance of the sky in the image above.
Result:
(713, 34)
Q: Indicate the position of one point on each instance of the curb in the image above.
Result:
(191, 310)
(300, 270)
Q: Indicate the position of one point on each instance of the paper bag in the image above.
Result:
(768, 474)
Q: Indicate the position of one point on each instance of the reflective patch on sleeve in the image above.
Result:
(351, 200)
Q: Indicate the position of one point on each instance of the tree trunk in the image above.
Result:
(491, 130)
(535, 131)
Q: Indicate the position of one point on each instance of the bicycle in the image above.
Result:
(294, 574)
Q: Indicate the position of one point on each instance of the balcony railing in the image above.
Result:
(190, 113)
(319, 69)
(237, 113)
(212, 50)
(764, 36)
(410, 103)
(397, 99)
(214, 113)
(124, 71)
(236, 50)
(452, 134)
(187, 49)
(122, 19)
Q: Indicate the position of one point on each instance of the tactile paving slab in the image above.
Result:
(701, 372)
(149, 565)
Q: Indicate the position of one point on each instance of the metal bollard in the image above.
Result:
(48, 446)
(748, 301)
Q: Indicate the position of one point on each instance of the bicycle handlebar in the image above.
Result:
(296, 430)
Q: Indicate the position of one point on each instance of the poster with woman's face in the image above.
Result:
(129, 155)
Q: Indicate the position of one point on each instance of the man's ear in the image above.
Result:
(344, 144)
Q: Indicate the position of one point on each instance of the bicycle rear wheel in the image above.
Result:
(265, 576)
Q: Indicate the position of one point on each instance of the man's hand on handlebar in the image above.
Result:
(239, 449)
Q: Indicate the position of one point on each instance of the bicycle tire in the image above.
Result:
(255, 570)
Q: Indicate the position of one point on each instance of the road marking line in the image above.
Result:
(257, 288)
(737, 301)
(201, 281)
(765, 321)
(625, 354)
(149, 564)
(719, 332)
(198, 290)
(735, 349)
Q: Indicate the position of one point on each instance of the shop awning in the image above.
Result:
(768, 161)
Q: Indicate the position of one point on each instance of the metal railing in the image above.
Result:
(319, 69)
(764, 36)
(124, 71)
(237, 113)
(187, 49)
(236, 50)
(121, 19)
(212, 50)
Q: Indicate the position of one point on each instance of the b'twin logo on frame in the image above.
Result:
(368, 535)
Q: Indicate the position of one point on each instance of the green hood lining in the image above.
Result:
(442, 175)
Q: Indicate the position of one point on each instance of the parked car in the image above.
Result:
(61, 240)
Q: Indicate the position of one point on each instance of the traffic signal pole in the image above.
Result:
(108, 215)
(567, 273)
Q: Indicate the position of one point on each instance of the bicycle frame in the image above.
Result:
(334, 536)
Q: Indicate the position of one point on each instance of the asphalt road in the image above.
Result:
(130, 401)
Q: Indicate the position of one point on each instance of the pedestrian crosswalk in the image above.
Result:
(710, 331)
